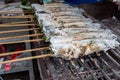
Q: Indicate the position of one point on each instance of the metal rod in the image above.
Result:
(95, 61)
(112, 59)
(114, 72)
(95, 78)
(116, 54)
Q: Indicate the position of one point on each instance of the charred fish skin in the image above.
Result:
(70, 33)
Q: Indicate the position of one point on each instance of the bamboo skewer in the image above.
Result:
(21, 36)
(11, 4)
(24, 16)
(21, 22)
(27, 58)
(24, 41)
(14, 12)
(21, 30)
(16, 25)
(23, 51)
(11, 12)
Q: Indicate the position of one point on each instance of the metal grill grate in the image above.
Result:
(96, 66)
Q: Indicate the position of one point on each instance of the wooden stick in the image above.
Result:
(21, 30)
(24, 51)
(16, 25)
(24, 41)
(11, 4)
(14, 12)
(20, 17)
(21, 36)
(11, 12)
(27, 58)
(21, 22)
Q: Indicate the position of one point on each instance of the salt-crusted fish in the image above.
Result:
(70, 33)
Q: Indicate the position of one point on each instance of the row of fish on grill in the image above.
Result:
(70, 33)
